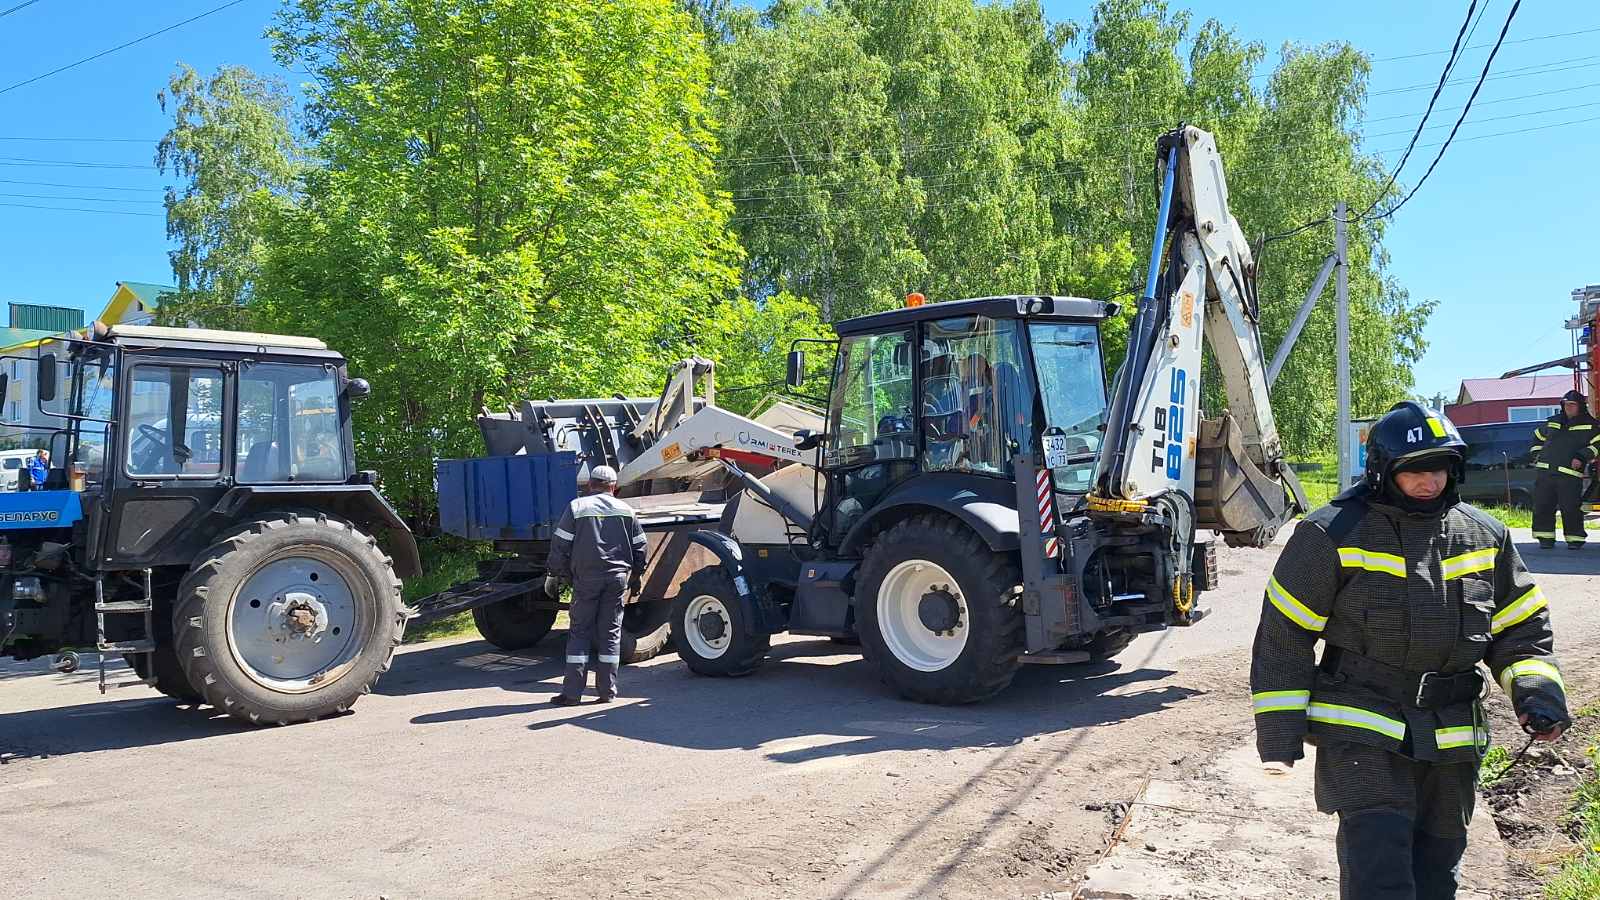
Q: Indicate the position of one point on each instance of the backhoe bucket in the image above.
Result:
(1233, 496)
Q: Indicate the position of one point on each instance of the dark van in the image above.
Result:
(1499, 464)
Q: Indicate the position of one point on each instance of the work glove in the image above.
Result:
(635, 585)
(1544, 719)
(552, 587)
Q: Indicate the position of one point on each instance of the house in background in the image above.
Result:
(132, 303)
(1529, 398)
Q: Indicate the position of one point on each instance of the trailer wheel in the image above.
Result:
(709, 627)
(514, 624)
(940, 612)
(645, 630)
(288, 620)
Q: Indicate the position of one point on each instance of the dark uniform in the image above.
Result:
(599, 547)
(1556, 444)
(1407, 599)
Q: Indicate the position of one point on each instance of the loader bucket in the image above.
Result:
(1233, 496)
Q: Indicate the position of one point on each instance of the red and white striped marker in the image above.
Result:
(1047, 513)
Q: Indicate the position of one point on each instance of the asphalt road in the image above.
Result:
(457, 779)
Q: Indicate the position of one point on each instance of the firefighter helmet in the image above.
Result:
(1409, 432)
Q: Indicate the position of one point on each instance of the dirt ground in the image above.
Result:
(456, 778)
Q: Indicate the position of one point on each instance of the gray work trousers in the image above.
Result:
(594, 636)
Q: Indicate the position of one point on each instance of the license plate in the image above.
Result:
(1055, 451)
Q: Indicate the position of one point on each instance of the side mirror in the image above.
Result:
(359, 387)
(797, 369)
(806, 439)
(47, 377)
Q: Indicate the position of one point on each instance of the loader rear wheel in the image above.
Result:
(940, 612)
(645, 630)
(288, 620)
(710, 630)
(514, 624)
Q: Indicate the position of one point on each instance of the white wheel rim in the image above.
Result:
(294, 625)
(703, 646)
(900, 622)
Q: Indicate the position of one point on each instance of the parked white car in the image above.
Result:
(12, 462)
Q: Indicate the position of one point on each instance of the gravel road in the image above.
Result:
(807, 779)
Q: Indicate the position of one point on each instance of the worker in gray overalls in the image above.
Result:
(601, 549)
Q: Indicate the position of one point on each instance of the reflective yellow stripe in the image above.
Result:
(1554, 425)
(1467, 563)
(1352, 717)
(1526, 667)
(1515, 612)
(1436, 426)
(1451, 738)
(1548, 535)
(1580, 427)
(1296, 611)
(1372, 561)
(1566, 471)
(1541, 465)
(1280, 701)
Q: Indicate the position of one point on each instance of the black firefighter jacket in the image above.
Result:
(1416, 593)
(1560, 440)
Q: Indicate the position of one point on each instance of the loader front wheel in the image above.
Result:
(709, 627)
(515, 624)
(289, 619)
(940, 612)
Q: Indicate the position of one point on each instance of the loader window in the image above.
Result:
(1072, 383)
(872, 400)
(175, 422)
(977, 396)
(289, 425)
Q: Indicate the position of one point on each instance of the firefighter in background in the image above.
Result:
(1563, 447)
(1409, 590)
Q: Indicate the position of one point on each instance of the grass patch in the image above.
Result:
(1579, 876)
(445, 561)
(1322, 486)
(1496, 763)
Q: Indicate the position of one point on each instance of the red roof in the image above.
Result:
(1527, 387)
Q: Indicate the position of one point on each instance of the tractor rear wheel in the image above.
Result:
(940, 612)
(163, 665)
(515, 624)
(289, 619)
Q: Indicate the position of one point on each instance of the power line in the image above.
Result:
(83, 140)
(1526, 40)
(122, 46)
(81, 187)
(89, 199)
(1463, 117)
(103, 212)
(1520, 115)
(67, 163)
(7, 12)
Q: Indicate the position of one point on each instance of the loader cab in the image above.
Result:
(936, 399)
(161, 425)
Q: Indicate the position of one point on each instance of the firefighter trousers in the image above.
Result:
(1554, 492)
(1382, 856)
(594, 636)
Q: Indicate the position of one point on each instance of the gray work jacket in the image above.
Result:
(598, 539)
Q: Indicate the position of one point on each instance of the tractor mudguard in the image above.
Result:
(358, 503)
(731, 556)
(987, 505)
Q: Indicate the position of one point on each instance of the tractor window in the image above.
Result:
(872, 397)
(289, 427)
(175, 422)
(977, 396)
(1074, 390)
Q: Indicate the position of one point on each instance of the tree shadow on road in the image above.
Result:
(1560, 559)
(809, 702)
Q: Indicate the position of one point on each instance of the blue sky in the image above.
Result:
(1499, 236)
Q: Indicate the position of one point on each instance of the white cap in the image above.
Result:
(603, 474)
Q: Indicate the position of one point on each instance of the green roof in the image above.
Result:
(33, 317)
(149, 294)
(11, 338)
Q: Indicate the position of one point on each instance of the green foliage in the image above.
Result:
(1494, 766)
(445, 562)
(231, 149)
(1579, 875)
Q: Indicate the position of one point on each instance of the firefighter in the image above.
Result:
(600, 548)
(1409, 589)
(1562, 448)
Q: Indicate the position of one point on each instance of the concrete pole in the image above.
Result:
(1342, 347)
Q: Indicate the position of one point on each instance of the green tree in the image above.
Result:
(512, 202)
(236, 161)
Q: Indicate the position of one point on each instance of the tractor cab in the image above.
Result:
(930, 403)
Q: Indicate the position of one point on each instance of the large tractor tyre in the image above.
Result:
(514, 624)
(940, 612)
(646, 629)
(1108, 644)
(710, 630)
(288, 620)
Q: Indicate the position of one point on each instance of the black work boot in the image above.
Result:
(564, 700)
(1575, 545)
(1546, 544)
